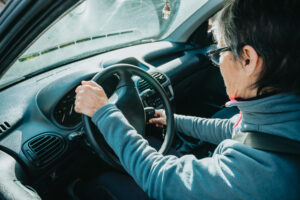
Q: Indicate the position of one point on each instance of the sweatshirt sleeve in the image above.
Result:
(162, 177)
(210, 130)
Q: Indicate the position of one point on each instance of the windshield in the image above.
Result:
(97, 26)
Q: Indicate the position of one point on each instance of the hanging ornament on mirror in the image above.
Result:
(166, 12)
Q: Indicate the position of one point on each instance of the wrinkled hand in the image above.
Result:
(89, 98)
(160, 119)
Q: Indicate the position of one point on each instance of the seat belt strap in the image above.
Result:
(268, 142)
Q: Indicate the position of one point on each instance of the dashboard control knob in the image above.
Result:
(75, 136)
(149, 113)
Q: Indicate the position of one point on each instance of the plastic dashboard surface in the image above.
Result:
(30, 106)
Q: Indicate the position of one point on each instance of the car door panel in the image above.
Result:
(12, 180)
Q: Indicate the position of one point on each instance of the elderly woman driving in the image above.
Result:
(258, 54)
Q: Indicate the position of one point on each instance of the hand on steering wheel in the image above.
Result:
(89, 98)
(160, 119)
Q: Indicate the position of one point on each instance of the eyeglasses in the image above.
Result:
(214, 55)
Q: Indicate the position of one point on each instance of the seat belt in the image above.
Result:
(268, 142)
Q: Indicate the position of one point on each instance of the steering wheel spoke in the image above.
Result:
(128, 100)
(125, 78)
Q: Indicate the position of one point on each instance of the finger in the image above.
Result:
(78, 88)
(84, 89)
(151, 121)
(92, 88)
(77, 108)
(77, 104)
(90, 83)
(157, 113)
(155, 121)
(78, 97)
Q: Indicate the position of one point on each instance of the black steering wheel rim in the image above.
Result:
(94, 136)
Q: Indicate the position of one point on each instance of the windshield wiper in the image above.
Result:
(70, 60)
(67, 44)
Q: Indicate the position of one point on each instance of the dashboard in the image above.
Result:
(64, 115)
(44, 122)
(40, 126)
(56, 103)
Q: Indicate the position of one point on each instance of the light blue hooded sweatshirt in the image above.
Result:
(235, 171)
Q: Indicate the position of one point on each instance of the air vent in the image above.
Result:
(4, 127)
(160, 77)
(44, 149)
(143, 85)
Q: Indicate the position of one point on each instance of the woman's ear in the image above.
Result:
(251, 61)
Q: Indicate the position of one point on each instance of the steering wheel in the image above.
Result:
(127, 99)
